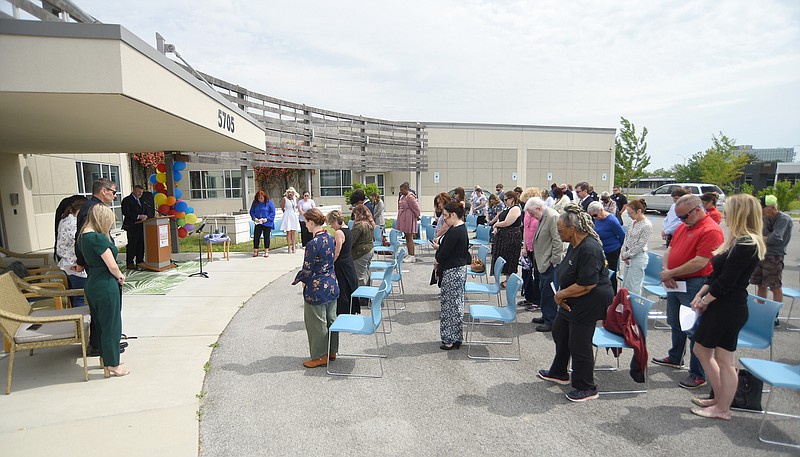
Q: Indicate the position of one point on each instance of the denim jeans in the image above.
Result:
(548, 302)
(674, 301)
(76, 282)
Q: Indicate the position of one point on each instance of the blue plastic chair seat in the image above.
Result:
(352, 323)
(378, 276)
(606, 339)
(365, 292)
(380, 265)
(495, 313)
(774, 373)
(477, 242)
(791, 293)
(480, 288)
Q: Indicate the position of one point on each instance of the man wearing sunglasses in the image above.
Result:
(687, 261)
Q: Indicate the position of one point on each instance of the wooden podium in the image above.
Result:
(157, 248)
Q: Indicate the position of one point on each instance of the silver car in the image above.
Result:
(660, 199)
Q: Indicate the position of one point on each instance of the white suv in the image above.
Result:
(661, 198)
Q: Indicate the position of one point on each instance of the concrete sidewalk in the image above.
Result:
(154, 410)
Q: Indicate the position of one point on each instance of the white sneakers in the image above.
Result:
(411, 259)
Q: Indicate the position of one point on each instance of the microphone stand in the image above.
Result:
(200, 251)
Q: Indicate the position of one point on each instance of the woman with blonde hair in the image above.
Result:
(102, 288)
(291, 221)
(723, 303)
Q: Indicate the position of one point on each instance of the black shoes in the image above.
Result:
(537, 320)
(544, 328)
(455, 345)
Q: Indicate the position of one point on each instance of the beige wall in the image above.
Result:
(42, 181)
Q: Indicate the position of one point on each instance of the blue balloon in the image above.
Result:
(177, 193)
(179, 165)
(189, 210)
(181, 206)
(153, 179)
(176, 175)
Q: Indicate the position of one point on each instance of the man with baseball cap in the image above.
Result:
(777, 233)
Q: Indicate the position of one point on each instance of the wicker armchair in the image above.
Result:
(24, 329)
(45, 258)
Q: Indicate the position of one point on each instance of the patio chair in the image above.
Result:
(23, 328)
(357, 324)
(488, 289)
(602, 338)
(777, 375)
(30, 259)
(483, 252)
(276, 232)
(472, 222)
(793, 294)
(496, 314)
(759, 329)
(481, 236)
(425, 221)
(396, 277)
(370, 292)
(377, 236)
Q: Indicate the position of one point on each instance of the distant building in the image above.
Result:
(767, 154)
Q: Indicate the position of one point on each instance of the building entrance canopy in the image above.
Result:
(84, 88)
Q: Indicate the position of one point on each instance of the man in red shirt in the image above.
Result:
(687, 260)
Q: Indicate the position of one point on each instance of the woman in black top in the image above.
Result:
(723, 302)
(452, 256)
(584, 295)
(343, 264)
(508, 235)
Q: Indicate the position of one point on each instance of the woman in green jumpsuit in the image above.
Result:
(103, 285)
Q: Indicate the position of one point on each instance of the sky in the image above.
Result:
(684, 70)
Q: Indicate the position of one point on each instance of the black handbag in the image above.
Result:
(748, 392)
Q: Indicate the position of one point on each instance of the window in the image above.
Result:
(88, 173)
(377, 180)
(219, 184)
(333, 183)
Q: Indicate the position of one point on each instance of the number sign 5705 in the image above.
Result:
(225, 121)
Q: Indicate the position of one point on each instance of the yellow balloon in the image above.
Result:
(160, 198)
(161, 177)
(191, 218)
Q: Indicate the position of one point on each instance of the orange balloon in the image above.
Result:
(181, 215)
(171, 201)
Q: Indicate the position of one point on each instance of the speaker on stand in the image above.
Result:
(199, 231)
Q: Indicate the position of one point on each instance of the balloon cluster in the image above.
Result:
(172, 205)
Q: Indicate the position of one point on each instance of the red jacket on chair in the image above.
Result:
(620, 320)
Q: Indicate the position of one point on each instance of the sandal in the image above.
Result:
(710, 415)
(266, 254)
(503, 285)
(704, 402)
(255, 254)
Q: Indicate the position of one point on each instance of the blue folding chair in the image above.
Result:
(489, 288)
(357, 324)
(496, 314)
(277, 232)
(397, 277)
(350, 224)
(759, 329)
(377, 237)
(472, 222)
(425, 221)
(483, 252)
(602, 338)
(424, 241)
(430, 232)
(370, 292)
(481, 236)
(777, 375)
(652, 273)
(391, 250)
(793, 294)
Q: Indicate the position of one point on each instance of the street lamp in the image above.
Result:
(682, 157)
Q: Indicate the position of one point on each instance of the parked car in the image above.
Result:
(660, 199)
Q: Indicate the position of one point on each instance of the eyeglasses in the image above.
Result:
(113, 191)
(686, 216)
(594, 216)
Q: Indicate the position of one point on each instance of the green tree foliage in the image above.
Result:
(630, 155)
(785, 191)
(368, 190)
(747, 189)
(658, 173)
(690, 171)
(721, 165)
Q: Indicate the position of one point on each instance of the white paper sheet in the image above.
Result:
(688, 317)
(553, 286)
(680, 286)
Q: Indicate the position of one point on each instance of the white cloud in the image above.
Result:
(686, 70)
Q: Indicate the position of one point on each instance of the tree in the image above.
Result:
(630, 155)
(785, 191)
(720, 165)
(369, 189)
(690, 171)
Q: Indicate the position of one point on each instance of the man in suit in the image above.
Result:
(547, 250)
(582, 189)
(134, 210)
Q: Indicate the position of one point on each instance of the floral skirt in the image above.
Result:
(452, 299)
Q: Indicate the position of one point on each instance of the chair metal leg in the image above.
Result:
(470, 343)
(378, 356)
(621, 392)
(789, 318)
(764, 420)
